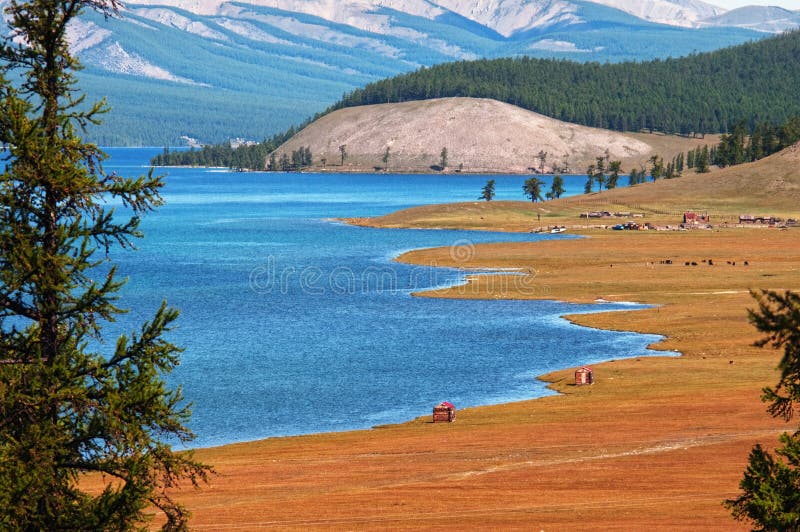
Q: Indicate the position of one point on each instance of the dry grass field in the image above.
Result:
(770, 186)
(656, 443)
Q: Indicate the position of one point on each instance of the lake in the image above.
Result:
(294, 324)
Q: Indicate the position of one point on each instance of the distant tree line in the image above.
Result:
(701, 93)
(246, 157)
(743, 145)
(301, 158)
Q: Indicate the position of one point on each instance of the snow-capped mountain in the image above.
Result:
(257, 66)
(686, 13)
(759, 18)
(506, 17)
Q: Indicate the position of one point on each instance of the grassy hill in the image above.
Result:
(769, 186)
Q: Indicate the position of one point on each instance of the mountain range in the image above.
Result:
(214, 69)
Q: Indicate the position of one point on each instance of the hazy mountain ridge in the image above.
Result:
(257, 67)
(761, 18)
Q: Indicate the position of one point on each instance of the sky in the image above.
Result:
(731, 4)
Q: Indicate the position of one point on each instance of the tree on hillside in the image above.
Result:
(590, 171)
(343, 152)
(542, 160)
(72, 401)
(533, 189)
(614, 168)
(702, 160)
(637, 176)
(443, 159)
(732, 147)
(285, 164)
(385, 159)
(770, 496)
(656, 167)
(487, 193)
(600, 172)
(556, 188)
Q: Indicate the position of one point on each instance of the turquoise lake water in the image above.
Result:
(294, 324)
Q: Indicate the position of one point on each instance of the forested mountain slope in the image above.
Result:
(213, 69)
(702, 93)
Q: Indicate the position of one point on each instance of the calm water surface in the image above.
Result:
(293, 324)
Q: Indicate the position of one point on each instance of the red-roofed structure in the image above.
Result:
(444, 412)
(583, 376)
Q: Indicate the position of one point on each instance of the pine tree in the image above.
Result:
(556, 188)
(71, 402)
(770, 496)
(487, 193)
(656, 167)
(614, 168)
(702, 160)
(587, 187)
(533, 189)
(600, 172)
(542, 160)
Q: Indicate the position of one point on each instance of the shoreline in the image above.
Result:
(659, 441)
(465, 282)
(405, 171)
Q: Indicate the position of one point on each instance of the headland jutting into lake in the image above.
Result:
(655, 442)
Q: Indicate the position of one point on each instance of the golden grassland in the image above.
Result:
(656, 443)
(770, 186)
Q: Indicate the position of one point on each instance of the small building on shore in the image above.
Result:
(583, 376)
(444, 412)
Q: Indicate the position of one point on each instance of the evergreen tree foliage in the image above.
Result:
(614, 169)
(556, 188)
(745, 145)
(656, 167)
(542, 156)
(587, 187)
(533, 189)
(487, 193)
(770, 497)
(71, 401)
(253, 157)
(702, 160)
(637, 176)
(600, 172)
(701, 93)
(385, 159)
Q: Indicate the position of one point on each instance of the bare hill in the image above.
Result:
(480, 135)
